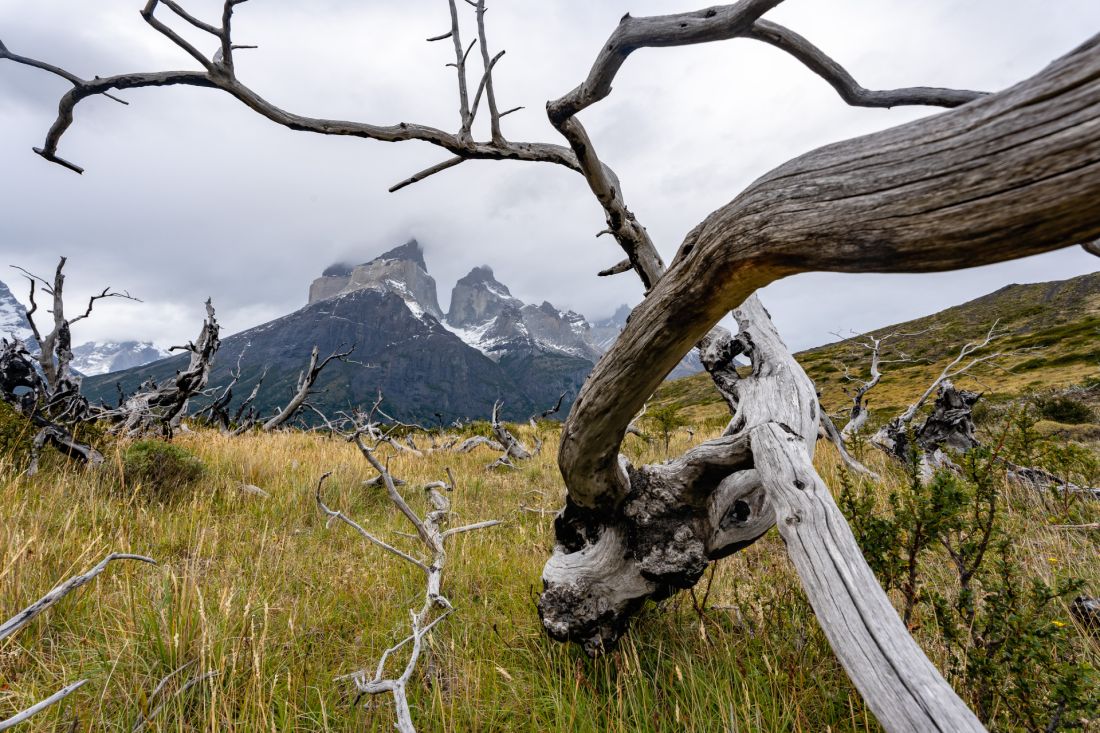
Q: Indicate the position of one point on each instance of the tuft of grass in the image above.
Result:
(159, 471)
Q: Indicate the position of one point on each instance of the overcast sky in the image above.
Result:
(189, 194)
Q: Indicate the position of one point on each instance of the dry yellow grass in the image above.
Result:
(261, 591)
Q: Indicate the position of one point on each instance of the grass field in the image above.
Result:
(263, 593)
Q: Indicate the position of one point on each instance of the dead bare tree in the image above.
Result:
(306, 379)
(42, 386)
(436, 606)
(859, 413)
(55, 348)
(950, 425)
(1003, 176)
(160, 407)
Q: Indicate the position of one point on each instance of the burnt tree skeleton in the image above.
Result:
(874, 345)
(161, 406)
(1004, 176)
(306, 380)
(52, 401)
(55, 349)
(943, 428)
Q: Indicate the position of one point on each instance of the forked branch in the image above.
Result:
(429, 530)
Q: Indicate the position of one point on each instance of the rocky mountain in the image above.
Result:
(89, 358)
(388, 309)
(401, 271)
(484, 314)
(112, 356)
(490, 345)
(13, 317)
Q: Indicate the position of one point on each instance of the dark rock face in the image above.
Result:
(490, 346)
(421, 368)
(478, 298)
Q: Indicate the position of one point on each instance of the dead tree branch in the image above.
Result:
(161, 406)
(430, 531)
(43, 604)
(35, 709)
(306, 380)
(1001, 177)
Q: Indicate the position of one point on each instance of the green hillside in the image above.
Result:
(1050, 336)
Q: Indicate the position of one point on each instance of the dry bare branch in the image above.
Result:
(306, 380)
(33, 710)
(28, 614)
(432, 535)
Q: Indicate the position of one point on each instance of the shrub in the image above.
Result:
(665, 419)
(16, 434)
(1020, 665)
(1064, 410)
(164, 472)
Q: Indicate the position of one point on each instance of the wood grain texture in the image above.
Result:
(900, 685)
(1006, 176)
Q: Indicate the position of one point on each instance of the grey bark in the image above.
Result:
(306, 380)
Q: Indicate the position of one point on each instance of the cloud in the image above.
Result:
(189, 194)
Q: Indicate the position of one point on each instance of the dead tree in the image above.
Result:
(55, 348)
(42, 386)
(859, 413)
(435, 607)
(1003, 176)
(306, 379)
(160, 407)
(43, 604)
(949, 426)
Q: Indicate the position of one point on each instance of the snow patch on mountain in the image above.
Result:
(13, 317)
(113, 356)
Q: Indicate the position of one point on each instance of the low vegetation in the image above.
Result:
(262, 592)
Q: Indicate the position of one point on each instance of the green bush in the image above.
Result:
(1064, 410)
(16, 434)
(665, 419)
(1008, 649)
(159, 471)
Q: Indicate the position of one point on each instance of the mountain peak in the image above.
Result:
(401, 271)
(481, 274)
(410, 251)
(478, 298)
(338, 269)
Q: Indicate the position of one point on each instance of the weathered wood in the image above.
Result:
(513, 448)
(432, 535)
(875, 203)
(161, 406)
(1003, 176)
(306, 379)
(28, 614)
(900, 685)
(25, 715)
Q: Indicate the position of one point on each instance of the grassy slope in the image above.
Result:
(1055, 327)
(280, 604)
